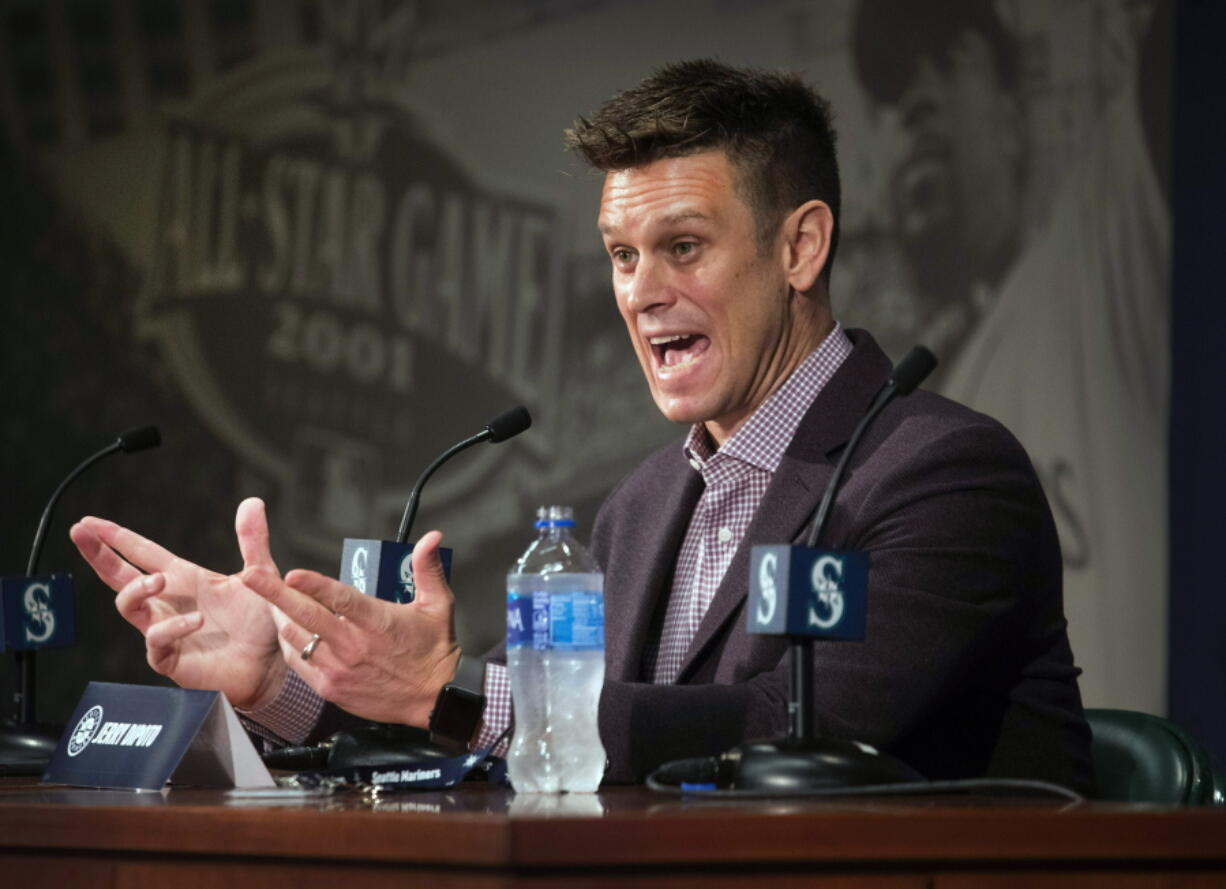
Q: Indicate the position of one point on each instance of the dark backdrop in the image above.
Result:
(1198, 429)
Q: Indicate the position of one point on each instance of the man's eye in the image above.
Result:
(684, 248)
(621, 257)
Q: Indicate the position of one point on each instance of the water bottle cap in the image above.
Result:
(555, 517)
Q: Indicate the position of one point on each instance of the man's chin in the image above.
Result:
(680, 409)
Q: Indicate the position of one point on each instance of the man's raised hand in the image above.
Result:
(202, 629)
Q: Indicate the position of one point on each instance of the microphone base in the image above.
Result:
(26, 748)
(790, 765)
(380, 744)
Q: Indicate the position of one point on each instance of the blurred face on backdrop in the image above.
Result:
(956, 192)
(713, 313)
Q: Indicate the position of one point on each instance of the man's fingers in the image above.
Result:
(341, 600)
(251, 526)
(300, 608)
(165, 633)
(133, 599)
(140, 551)
(428, 574)
(112, 570)
(294, 640)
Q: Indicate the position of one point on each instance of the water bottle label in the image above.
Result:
(540, 620)
(576, 621)
(528, 620)
(519, 621)
(559, 621)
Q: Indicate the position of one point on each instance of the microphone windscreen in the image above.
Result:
(913, 369)
(508, 424)
(139, 439)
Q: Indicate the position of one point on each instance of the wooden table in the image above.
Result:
(476, 836)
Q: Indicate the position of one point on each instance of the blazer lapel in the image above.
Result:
(641, 580)
(798, 484)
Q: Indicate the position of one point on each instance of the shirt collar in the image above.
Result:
(764, 437)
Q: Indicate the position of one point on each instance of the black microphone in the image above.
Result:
(383, 568)
(506, 425)
(805, 593)
(44, 606)
(128, 442)
(912, 370)
(139, 439)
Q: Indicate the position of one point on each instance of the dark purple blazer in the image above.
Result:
(965, 670)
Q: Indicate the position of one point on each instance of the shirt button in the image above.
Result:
(725, 534)
(696, 463)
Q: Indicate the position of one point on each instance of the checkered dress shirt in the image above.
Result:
(735, 476)
(291, 715)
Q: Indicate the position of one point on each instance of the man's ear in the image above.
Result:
(807, 232)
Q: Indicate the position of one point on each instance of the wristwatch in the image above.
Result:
(458, 708)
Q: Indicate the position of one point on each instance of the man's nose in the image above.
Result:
(649, 288)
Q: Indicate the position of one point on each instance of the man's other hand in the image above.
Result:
(202, 629)
(379, 660)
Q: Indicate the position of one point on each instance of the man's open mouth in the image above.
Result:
(675, 350)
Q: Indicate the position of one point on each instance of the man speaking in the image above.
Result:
(719, 214)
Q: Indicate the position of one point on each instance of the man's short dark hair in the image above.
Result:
(774, 127)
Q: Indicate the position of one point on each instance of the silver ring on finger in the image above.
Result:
(309, 648)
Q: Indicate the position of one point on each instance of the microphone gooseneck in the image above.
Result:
(801, 761)
(133, 440)
(906, 376)
(506, 425)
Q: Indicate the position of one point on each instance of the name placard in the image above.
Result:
(139, 737)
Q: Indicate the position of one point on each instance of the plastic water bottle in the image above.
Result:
(555, 655)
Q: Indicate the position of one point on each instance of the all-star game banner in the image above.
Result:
(321, 241)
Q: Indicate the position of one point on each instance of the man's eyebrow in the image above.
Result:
(685, 216)
(671, 219)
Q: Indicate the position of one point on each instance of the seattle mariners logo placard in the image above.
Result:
(40, 616)
(37, 612)
(799, 591)
(86, 728)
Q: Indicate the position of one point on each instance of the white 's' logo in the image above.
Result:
(85, 730)
(829, 592)
(766, 583)
(408, 587)
(37, 602)
(357, 569)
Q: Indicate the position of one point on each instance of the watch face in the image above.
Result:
(457, 713)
